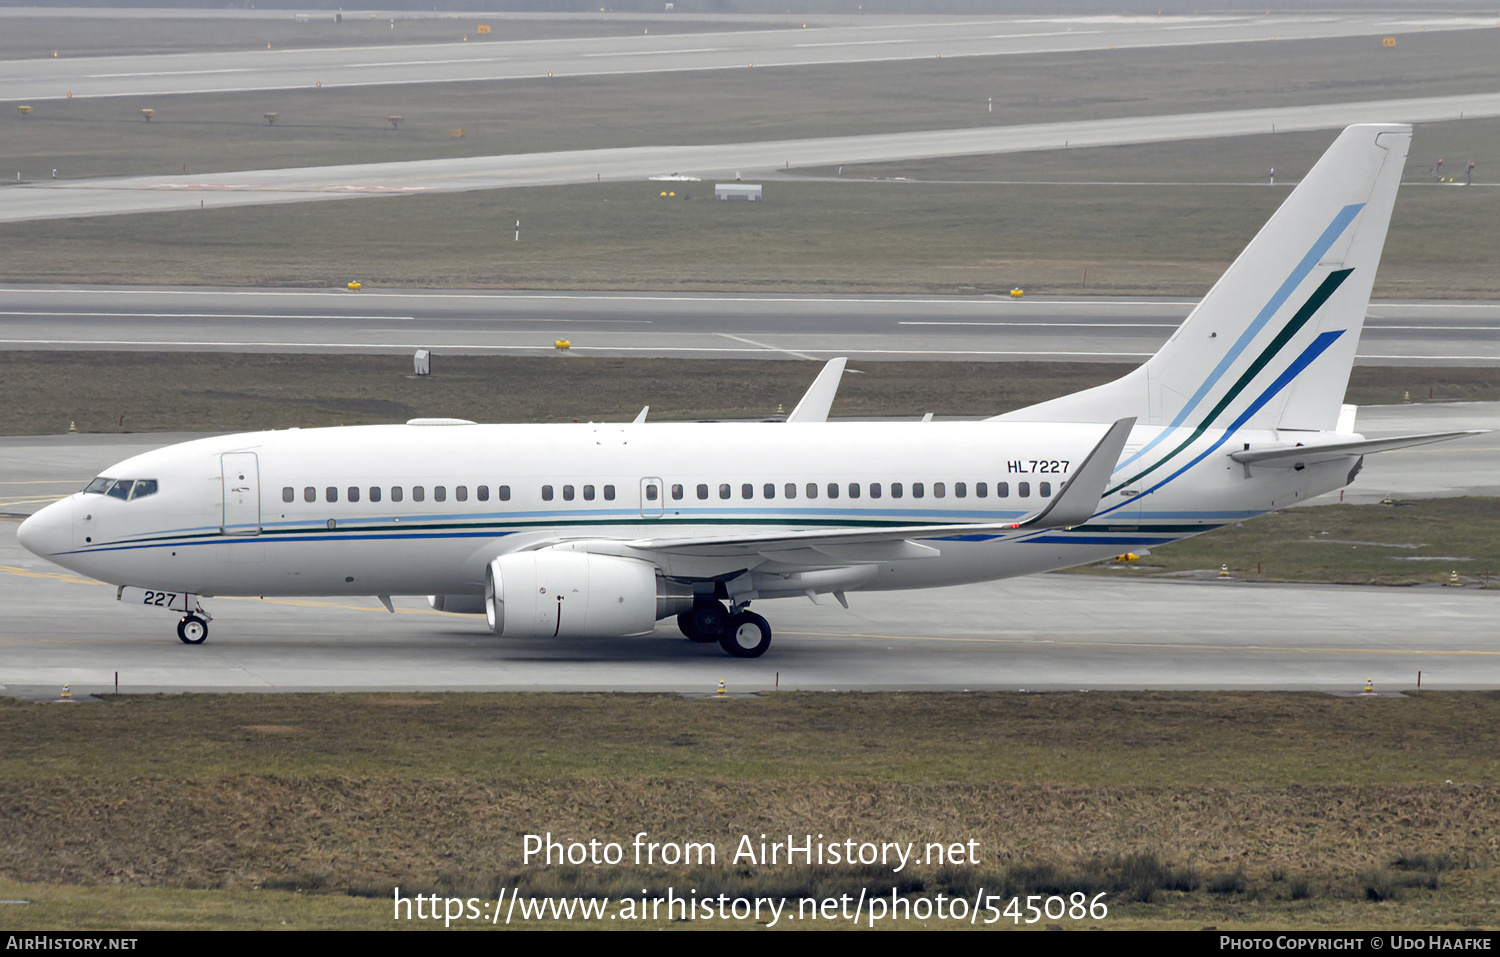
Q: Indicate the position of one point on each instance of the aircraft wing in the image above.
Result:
(1297, 456)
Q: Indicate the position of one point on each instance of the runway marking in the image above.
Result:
(294, 602)
(54, 576)
(1154, 646)
(668, 52)
(989, 302)
(763, 346)
(31, 501)
(1013, 324)
(660, 349)
(211, 315)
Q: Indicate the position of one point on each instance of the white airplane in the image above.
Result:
(603, 529)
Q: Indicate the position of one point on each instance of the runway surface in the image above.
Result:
(1042, 632)
(701, 326)
(104, 196)
(783, 43)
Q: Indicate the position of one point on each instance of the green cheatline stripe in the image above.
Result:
(513, 526)
(1313, 304)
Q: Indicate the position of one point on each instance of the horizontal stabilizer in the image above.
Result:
(1301, 455)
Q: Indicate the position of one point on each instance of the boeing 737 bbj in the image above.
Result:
(604, 529)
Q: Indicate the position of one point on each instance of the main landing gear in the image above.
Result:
(741, 633)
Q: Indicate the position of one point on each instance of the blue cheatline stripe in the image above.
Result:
(1326, 288)
(1315, 349)
(1102, 540)
(1309, 261)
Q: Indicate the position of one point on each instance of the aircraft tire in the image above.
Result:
(705, 623)
(748, 636)
(192, 630)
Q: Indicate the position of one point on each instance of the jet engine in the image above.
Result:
(457, 604)
(545, 593)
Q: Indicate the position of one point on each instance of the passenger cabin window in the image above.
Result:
(353, 491)
(289, 494)
(651, 491)
(482, 492)
(747, 490)
(1023, 489)
(1002, 490)
(374, 493)
(1044, 489)
(439, 493)
(702, 492)
(609, 493)
(331, 494)
(874, 489)
(418, 493)
(812, 489)
(981, 489)
(567, 493)
(854, 490)
(505, 493)
(769, 490)
(396, 494)
(461, 493)
(677, 493)
(960, 490)
(917, 490)
(790, 489)
(833, 490)
(546, 493)
(896, 490)
(724, 490)
(939, 490)
(588, 493)
(309, 494)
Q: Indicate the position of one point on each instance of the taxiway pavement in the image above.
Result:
(1043, 632)
(781, 41)
(455, 322)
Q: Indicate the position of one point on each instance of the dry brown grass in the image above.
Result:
(1255, 807)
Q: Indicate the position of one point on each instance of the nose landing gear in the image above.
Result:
(192, 630)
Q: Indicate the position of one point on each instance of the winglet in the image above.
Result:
(819, 397)
(1078, 499)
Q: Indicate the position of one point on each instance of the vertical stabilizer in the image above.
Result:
(1272, 343)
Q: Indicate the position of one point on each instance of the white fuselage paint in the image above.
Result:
(218, 523)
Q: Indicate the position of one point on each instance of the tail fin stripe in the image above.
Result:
(1320, 295)
(1315, 349)
(1309, 261)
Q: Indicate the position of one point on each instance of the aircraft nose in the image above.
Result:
(49, 531)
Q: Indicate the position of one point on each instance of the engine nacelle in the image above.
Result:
(546, 593)
(457, 604)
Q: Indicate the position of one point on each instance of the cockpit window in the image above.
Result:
(123, 489)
